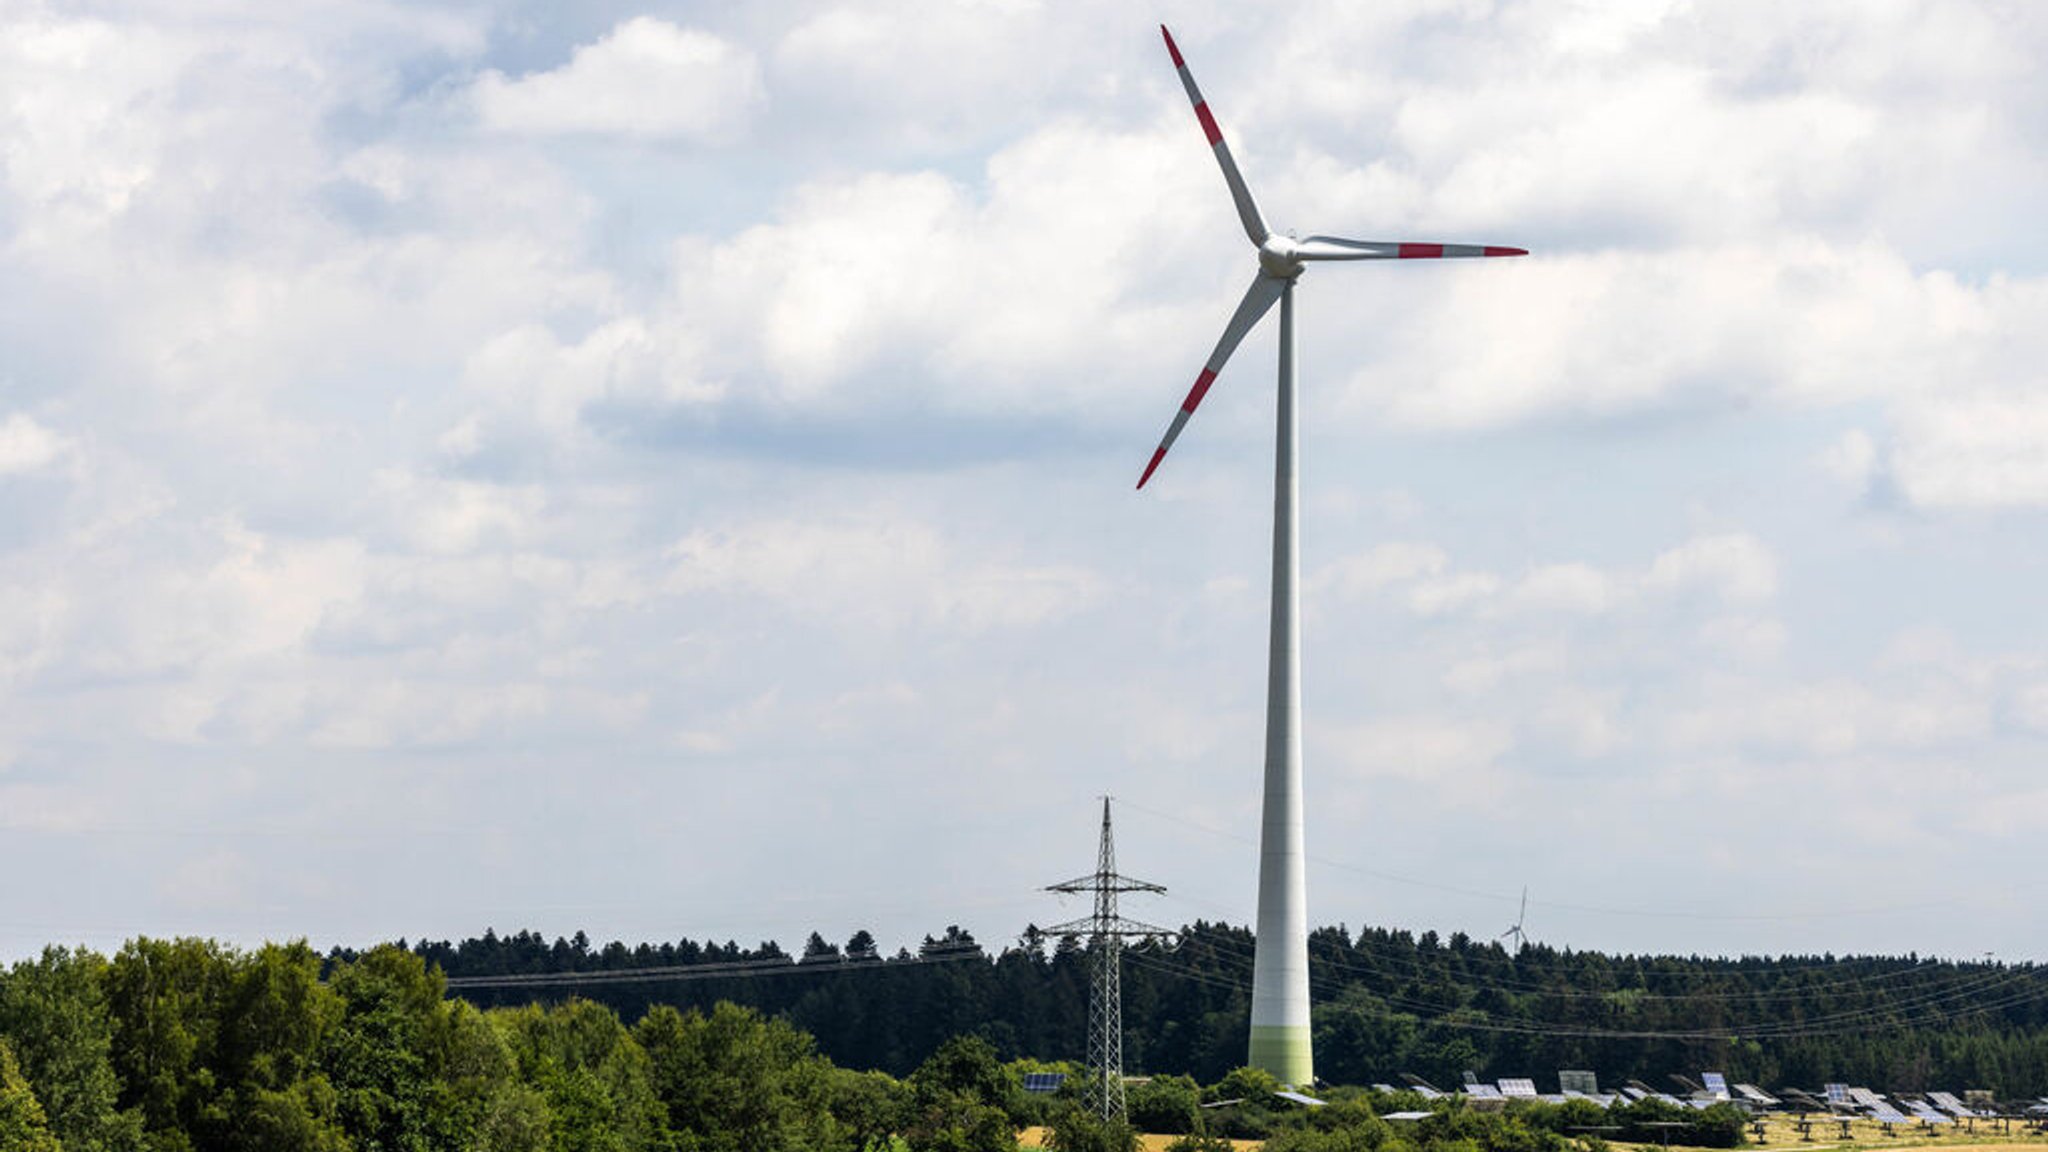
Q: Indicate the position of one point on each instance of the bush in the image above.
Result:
(1079, 1130)
(1201, 1142)
(1167, 1105)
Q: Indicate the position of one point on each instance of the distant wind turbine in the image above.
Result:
(1280, 1004)
(1515, 929)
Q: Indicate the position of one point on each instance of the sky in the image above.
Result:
(667, 471)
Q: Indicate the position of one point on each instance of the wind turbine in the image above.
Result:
(1515, 929)
(1280, 1005)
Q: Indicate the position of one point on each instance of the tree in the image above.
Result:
(1167, 1105)
(54, 1011)
(23, 1127)
(961, 1101)
(736, 1081)
(164, 997)
(382, 1052)
(1077, 1129)
(871, 1106)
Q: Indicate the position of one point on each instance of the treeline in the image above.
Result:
(189, 1046)
(1387, 1002)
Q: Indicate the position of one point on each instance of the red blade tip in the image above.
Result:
(1492, 251)
(1171, 48)
(1157, 456)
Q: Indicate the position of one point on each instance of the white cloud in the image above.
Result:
(440, 464)
(876, 570)
(1733, 566)
(645, 79)
(1572, 588)
(27, 446)
(1973, 451)
(1462, 753)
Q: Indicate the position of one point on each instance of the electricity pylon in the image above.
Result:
(1107, 930)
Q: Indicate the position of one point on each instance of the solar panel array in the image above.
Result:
(1520, 1088)
(1838, 1094)
(1044, 1081)
(1716, 1083)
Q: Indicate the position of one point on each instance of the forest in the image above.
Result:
(518, 1042)
(1387, 1002)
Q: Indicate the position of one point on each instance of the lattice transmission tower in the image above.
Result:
(1107, 930)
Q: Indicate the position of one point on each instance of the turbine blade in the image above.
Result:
(1258, 300)
(1247, 211)
(1338, 248)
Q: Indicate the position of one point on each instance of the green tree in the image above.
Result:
(514, 1118)
(1254, 1086)
(870, 1106)
(1076, 1129)
(1166, 1105)
(54, 1012)
(164, 997)
(597, 1080)
(962, 1101)
(384, 1053)
(736, 1080)
(299, 1118)
(23, 1127)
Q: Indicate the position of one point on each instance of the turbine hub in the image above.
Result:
(1278, 257)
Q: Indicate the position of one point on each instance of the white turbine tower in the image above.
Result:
(1280, 1016)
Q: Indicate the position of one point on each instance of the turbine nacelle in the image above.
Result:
(1280, 257)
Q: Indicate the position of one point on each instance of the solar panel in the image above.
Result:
(1716, 1083)
(1298, 1098)
(1585, 1083)
(1044, 1081)
(1886, 1114)
(1947, 1102)
(1407, 1115)
(1483, 1091)
(1756, 1095)
(1838, 1094)
(1518, 1088)
(1927, 1115)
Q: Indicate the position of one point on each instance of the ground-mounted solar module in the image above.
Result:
(1298, 1098)
(1716, 1083)
(1756, 1095)
(1581, 1082)
(1044, 1081)
(1520, 1089)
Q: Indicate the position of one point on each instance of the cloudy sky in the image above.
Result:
(667, 470)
